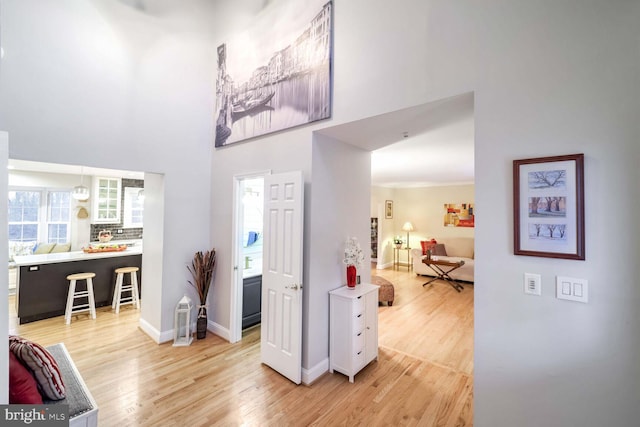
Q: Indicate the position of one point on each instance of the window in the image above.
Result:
(133, 208)
(58, 216)
(39, 215)
(24, 215)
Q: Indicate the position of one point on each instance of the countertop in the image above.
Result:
(21, 260)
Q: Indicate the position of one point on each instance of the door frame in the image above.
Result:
(235, 324)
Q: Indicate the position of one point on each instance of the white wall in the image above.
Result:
(424, 207)
(104, 85)
(4, 275)
(549, 77)
(339, 199)
(558, 78)
(287, 152)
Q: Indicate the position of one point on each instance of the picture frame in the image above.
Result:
(459, 215)
(548, 207)
(277, 73)
(388, 209)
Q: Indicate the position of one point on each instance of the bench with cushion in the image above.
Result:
(83, 409)
(48, 376)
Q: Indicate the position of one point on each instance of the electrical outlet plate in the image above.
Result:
(572, 289)
(532, 284)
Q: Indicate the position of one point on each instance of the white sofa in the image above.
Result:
(457, 248)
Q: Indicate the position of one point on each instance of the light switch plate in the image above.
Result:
(572, 289)
(532, 284)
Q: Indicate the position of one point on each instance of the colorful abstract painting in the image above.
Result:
(459, 215)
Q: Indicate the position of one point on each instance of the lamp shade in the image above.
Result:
(407, 227)
(80, 192)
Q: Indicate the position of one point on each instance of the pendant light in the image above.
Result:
(80, 192)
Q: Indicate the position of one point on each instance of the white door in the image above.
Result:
(281, 327)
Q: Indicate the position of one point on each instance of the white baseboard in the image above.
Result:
(310, 375)
(383, 266)
(219, 330)
(154, 334)
(166, 336)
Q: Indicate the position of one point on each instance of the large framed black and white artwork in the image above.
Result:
(277, 73)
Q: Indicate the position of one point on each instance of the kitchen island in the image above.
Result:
(42, 285)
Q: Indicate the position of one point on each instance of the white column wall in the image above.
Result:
(4, 275)
(558, 78)
(102, 85)
(285, 152)
(339, 199)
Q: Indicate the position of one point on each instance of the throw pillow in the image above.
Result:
(438, 250)
(426, 245)
(43, 248)
(61, 247)
(41, 362)
(23, 388)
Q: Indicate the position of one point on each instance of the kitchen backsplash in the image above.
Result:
(127, 233)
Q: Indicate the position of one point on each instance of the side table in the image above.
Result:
(396, 258)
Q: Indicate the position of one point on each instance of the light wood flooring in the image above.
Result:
(423, 375)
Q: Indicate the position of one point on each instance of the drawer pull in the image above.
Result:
(360, 352)
(360, 334)
(359, 315)
(360, 297)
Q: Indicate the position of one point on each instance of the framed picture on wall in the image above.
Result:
(459, 215)
(548, 207)
(388, 209)
(276, 74)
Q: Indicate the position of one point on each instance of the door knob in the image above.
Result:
(293, 287)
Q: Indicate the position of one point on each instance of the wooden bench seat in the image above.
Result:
(83, 409)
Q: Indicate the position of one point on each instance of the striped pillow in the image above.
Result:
(44, 366)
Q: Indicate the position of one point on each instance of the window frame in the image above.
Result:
(44, 221)
(103, 204)
(127, 212)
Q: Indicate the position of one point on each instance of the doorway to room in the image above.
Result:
(422, 158)
(76, 227)
(247, 250)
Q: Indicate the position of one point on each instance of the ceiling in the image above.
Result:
(427, 145)
(28, 166)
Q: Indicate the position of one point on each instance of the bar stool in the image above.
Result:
(74, 294)
(132, 288)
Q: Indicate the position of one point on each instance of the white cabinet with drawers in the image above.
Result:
(353, 342)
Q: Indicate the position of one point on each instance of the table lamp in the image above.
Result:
(407, 227)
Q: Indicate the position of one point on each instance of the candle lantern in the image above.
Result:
(182, 324)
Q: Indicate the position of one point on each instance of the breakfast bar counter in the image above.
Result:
(42, 285)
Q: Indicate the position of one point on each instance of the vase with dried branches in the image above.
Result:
(202, 268)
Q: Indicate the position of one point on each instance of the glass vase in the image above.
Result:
(351, 276)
